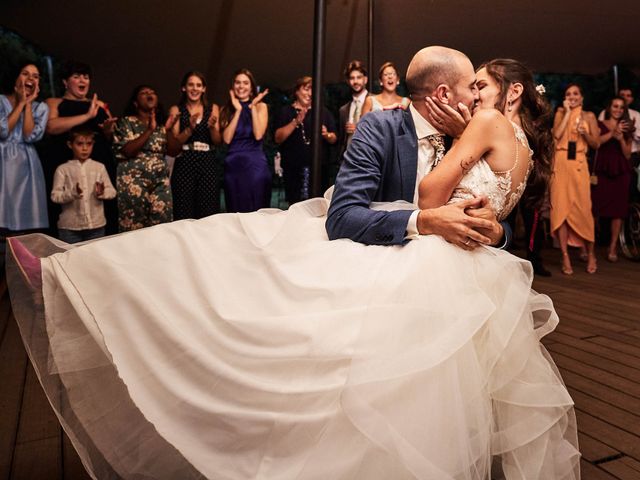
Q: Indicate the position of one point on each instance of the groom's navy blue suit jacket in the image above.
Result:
(380, 165)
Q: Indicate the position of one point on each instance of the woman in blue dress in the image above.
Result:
(23, 196)
(243, 120)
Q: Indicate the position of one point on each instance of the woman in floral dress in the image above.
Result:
(140, 144)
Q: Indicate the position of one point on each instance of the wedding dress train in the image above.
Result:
(250, 346)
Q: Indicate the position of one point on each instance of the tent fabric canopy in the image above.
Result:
(156, 42)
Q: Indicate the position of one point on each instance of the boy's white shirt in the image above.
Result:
(87, 212)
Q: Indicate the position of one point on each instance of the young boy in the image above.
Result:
(80, 185)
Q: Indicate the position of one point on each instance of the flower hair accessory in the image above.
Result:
(540, 89)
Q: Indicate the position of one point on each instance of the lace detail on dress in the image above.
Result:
(497, 186)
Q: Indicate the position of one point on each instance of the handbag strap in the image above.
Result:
(595, 162)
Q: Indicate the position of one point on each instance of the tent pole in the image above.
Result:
(370, 45)
(318, 77)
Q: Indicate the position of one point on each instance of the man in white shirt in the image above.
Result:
(391, 153)
(356, 75)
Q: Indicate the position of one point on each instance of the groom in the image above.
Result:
(390, 153)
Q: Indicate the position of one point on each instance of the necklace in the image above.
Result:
(300, 126)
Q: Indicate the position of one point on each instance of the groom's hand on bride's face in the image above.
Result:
(447, 119)
(455, 225)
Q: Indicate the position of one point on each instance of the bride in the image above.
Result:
(250, 346)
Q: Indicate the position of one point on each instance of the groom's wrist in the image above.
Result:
(425, 222)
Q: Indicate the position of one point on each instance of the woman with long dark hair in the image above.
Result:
(23, 196)
(243, 122)
(317, 358)
(195, 179)
(612, 166)
(575, 131)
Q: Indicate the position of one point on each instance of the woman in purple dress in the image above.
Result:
(613, 168)
(243, 120)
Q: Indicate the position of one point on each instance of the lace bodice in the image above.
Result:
(497, 186)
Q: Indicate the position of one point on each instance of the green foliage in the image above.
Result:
(598, 89)
(15, 51)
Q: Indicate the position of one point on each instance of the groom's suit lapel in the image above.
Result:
(407, 157)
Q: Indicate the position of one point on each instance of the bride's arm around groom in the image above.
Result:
(381, 165)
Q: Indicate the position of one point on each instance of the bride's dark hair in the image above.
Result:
(535, 115)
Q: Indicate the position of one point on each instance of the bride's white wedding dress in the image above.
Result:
(250, 346)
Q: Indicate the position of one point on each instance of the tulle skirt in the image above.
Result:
(250, 346)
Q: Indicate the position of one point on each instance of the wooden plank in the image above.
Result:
(72, 466)
(569, 364)
(612, 353)
(615, 416)
(37, 460)
(5, 307)
(625, 468)
(593, 449)
(572, 313)
(593, 360)
(608, 434)
(592, 472)
(609, 395)
(37, 420)
(13, 364)
(578, 329)
(629, 349)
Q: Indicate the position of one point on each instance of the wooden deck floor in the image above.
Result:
(596, 346)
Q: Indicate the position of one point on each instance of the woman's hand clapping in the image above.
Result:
(258, 98)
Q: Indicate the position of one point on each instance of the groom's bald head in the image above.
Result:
(433, 66)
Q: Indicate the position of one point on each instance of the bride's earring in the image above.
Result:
(509, 106)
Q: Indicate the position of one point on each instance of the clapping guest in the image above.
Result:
(388, 99)
(81, 185)
(632, 126)
(23, 196)
(613, 168)
(243, 121)
(140, 144)
(77, 108)
(575, 130)
(195, 181)
(293, 133)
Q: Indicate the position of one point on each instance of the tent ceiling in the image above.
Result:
(157, 41)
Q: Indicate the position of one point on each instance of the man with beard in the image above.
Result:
(356, 75)
(392, 150)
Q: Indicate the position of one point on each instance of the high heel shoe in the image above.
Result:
(612, 257)
(566, 270)
(592, 266)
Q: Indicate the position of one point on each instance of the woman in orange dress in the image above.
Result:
(575, 130)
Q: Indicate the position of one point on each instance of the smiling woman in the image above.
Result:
(22, 122)
(247, 179)
(195, 181)
(388, 99)
(76, 108)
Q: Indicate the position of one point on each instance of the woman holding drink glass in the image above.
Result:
(575, 130)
